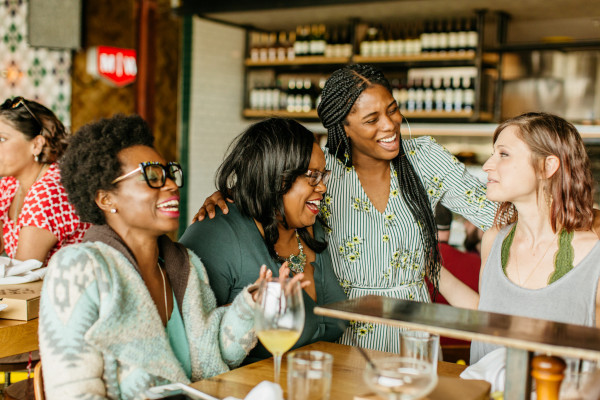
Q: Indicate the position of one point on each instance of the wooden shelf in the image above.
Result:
(312, 114)
(426, 57)
(309, 60)
(248, 113)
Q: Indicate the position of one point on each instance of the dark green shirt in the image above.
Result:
(232, 251)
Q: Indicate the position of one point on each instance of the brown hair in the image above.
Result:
(52, 130)
(570, 188)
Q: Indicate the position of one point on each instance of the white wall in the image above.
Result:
(216, 103)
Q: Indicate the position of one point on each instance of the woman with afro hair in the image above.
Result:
(128, 309)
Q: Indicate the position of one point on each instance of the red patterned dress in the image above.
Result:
(45, 207)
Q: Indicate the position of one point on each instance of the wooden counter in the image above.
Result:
(522, 336)
(347, 377)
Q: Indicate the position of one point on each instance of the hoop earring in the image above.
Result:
(113, 210)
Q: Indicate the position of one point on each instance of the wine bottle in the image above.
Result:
(291, 95)
(439, 93)
(419, 94)
(411, 101)
(453, 33)
(332, 44)
(425, 38)
(403, 99)
(299, 42)
(472, 36)
(469, 94)
(462, 44)
(299, 94)
(442, 37)
(429, 94)
(458, 94)
(282, 46)
(307, 96)
(448, 94)
(366, 46)
(291, 49)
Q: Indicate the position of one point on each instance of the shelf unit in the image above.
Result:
(311, 64)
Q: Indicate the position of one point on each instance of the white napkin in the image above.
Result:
(15, 271)
(491, 368)
(263, 391)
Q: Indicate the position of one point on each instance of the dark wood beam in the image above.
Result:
(146, 53)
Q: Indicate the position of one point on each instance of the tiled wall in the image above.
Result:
(216, 103)
(34, 73)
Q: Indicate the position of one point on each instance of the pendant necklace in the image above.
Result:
(296, 262)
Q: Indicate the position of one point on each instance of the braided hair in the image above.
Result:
(340, 93)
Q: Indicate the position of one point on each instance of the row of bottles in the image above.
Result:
(445, 94)
(307, 40)
(452, 36)
(296, 94)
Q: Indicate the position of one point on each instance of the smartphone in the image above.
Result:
(176, 391)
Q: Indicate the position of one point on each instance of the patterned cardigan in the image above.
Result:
(100, 332)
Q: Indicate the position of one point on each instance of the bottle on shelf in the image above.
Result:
(462, 44)
(469, 94)
(425, 38)
(291, 45)
(299, 94)
(332, 44)
(346, 48)
(448, 94)
(263, 49)
(254, 41)
(472, 35)
(419, 94)
(366, 46)
(458, 94)
(442, 37)
(272, 46)
(411, 100)
(439, 94)
(322, 81)
(282, 46)
(307, 96)
(291, 95)
(453, 36)
(428, 95)
(317, 40)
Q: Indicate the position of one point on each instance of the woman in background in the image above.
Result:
(275, 173)
(35, 215)
(128, 309)
(540, 259)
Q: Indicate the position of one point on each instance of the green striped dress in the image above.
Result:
(382, 253)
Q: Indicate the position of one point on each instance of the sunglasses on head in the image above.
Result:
(155, 174)
(12, 104)
(315, 176)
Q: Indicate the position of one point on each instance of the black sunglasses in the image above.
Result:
(156, 174)
(11, 104)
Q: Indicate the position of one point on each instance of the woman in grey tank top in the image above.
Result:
(540, 259)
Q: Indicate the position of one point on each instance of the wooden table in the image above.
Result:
(522, 336)
(18, 337)
(347, 377)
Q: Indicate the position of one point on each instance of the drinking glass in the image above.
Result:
(279, 317)
(421, 346)
(400, 378)
(309, 375)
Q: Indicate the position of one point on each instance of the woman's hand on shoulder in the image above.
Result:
(209, 206)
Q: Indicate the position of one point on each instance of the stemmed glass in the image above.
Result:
(401, 378)
(279, 317)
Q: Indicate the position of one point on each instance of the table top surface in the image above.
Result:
(507, 330)
(347, 377)
(18, 337)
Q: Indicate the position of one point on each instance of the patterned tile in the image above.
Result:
(36, 73)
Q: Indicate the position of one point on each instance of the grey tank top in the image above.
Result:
(571, 299)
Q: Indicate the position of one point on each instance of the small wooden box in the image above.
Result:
(23, 300)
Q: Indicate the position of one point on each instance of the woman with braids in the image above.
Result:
(380, 200)
(540, 259)
(275, 173)
(35, 216)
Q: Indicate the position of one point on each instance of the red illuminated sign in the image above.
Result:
(117, 66)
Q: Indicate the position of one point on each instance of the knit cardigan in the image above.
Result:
(100, 333)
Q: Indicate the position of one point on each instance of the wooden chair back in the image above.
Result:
(38, 382)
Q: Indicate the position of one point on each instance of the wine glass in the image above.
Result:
(279, 317)
(401, 378)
